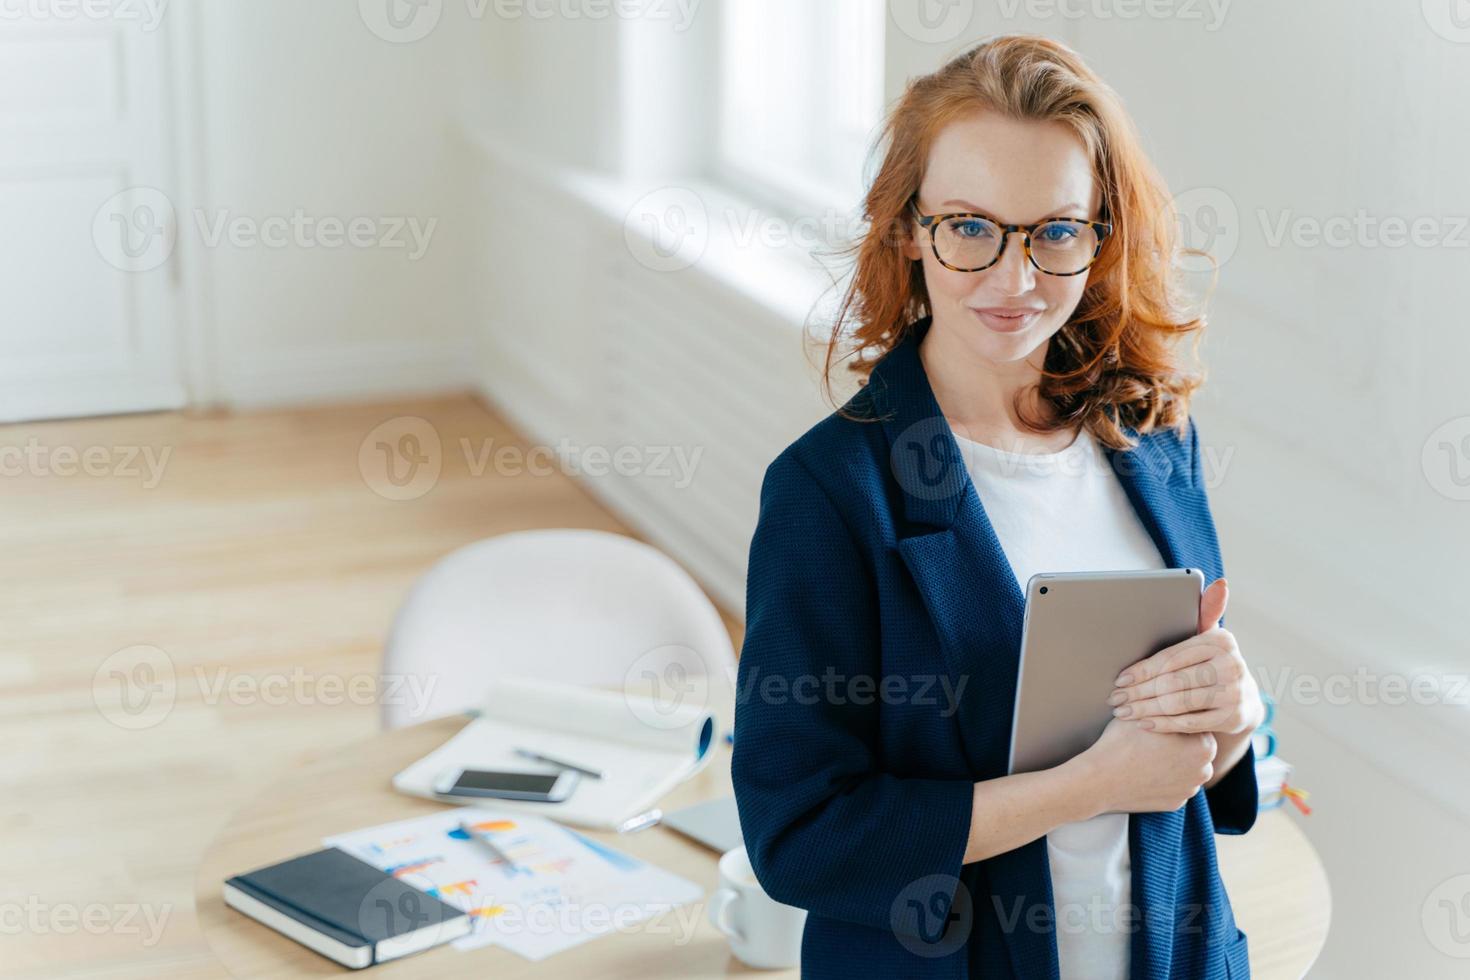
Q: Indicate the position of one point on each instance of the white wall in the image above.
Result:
(1329, 370)
(299, 107)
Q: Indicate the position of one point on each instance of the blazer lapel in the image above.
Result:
(970, 592)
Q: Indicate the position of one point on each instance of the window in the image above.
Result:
(801, 95)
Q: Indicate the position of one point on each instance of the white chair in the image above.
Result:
(579, 606)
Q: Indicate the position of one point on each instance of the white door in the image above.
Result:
(88, 323)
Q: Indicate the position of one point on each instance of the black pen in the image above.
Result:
(528, 754)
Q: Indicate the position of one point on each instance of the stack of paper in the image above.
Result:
(559, 890)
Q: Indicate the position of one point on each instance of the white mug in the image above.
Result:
(763, 933)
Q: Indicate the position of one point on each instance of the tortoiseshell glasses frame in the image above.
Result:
(932, 222)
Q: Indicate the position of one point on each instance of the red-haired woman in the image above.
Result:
(1013, 314)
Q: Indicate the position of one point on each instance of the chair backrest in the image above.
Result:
(579, 606)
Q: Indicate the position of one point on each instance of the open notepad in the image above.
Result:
(642, 746)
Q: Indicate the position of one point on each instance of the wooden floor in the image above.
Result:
(261, 559)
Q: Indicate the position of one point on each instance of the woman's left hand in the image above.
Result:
(1197, 685)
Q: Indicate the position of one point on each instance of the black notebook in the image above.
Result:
(345, 909)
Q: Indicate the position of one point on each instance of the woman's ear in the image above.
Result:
(909, 232)
(908, 241)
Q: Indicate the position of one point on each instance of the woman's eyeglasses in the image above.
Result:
(968, 242)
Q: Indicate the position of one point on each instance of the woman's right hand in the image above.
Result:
(1134, 770)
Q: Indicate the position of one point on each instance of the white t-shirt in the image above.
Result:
(1067, 512)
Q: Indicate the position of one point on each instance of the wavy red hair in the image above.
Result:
(1114, 361)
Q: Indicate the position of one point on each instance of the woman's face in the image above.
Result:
(1017, 172)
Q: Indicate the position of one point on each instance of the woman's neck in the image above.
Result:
(977, 395)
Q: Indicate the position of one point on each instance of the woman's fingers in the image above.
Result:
(1206, 674)
(1195, 649)
(1193, 722)
(1191, 699)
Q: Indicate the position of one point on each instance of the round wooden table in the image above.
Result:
(1275, 880)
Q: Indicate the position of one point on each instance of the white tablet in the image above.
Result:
(1081, 630)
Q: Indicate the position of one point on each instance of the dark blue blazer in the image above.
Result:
(873, 563)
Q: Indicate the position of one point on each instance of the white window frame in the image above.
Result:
(829, 58)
